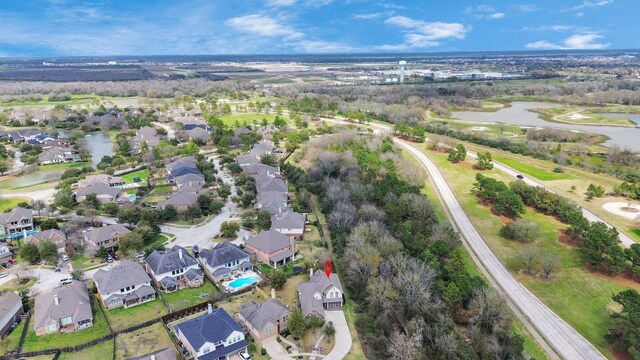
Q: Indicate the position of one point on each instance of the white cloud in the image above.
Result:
(484, 12)
(573, 42)
(370, 16)
(555, 28)
(592, 4)
(264, 26)
(277, 3)
(525, 7)
(422, 34)
(320, 46)
(495, 16)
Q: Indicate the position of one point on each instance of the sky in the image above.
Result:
(199, 27)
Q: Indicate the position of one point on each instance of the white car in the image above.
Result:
(66, 281)
(65, 257)
(244, 355)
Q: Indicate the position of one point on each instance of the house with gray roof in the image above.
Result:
(57, 154)
(261, 169)
(100, 179)
(272, 247)
(198, 133)
(53, 235)
(264, 320)
(126, 284)
(268, 183)
(263, 147)
(224, 259)
(105, 236)
(182, 162)
(147, 135)
(214, 335)
(272, 201)
(173, 269)
(190, 179)
(64, 309)
(320, 293)
(16, 221)
(180, 200)
(246, 160)
(103, 192)
(290, 223)
(10, 309)
(164, 354)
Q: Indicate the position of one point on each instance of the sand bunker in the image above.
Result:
(625, 209)
(479, 128)
(576, 116)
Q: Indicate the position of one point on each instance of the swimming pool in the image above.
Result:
(242, 282)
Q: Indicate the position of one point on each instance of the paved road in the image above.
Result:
(562, 337)
(343, 335)
(45, 195)
(624, 238)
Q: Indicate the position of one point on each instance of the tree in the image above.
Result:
(594, 191)
(296, 323)
(484, 161)
(192, 213)
(78, 274)
(168, 213)
(110, 208)
(224, 191)
(102, 252)
(329, 330)
(263, 220)
(405, 347)
(49, 252)
(131, 243)
(4, 166)
(601, 248)
(64, 198)
(269, 159)
(229, 229)
(625, 330)
(30, 253)
(49, 224)
(277, 279)
(522, 230)
(457, 153)
(38, 205)
(91, 200)
(509, 204)
(633, 255)
(549, 265)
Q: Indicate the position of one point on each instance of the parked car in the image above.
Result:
(65, 257)
(520, 176)
(66, 281)
(244, 355)
(109, 259)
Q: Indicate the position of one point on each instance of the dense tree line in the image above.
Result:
(403, 268)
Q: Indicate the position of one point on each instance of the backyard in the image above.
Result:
(121, 318)
(143, 341)
(184, 298)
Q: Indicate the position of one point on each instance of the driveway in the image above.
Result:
(171, 132)
(343, 335)
(275, 349)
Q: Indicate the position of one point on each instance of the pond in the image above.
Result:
(518, 114)
(99, 145)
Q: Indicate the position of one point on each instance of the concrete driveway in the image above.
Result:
(275, 349)
(343, 335)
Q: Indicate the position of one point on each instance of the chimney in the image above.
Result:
(55, 299)
(153, 357)
(209, 308)
(273, 293)
(311, 272)
(279, 210)
(180, 253)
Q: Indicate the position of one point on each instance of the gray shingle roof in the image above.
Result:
(185, 161)
(180, 199)
(99, 189)
(212, 328)
(259, 314)
(272, 201)
(244, 160)
(105, 233)
(125, 274)
(198, 133)
(287, 220)
(193, 273)
(73, 300)
(17, 214)
(8, 302)
(267, 183)
(169, 260)
(223, 253)
(318, 283)
(269, 241)
(259, 168)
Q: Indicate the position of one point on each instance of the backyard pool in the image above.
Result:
(242, 282)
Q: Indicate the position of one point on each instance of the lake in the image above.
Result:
(518, 114)
(99, 145)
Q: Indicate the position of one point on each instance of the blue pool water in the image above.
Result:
(133, 197)
(242, 282)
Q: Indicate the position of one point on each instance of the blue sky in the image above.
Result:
(161, 27)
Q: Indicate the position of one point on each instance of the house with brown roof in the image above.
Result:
(126, 284)
(64, 309)
(272, 247)
(105, 236)
(53, 235)
(264, 320)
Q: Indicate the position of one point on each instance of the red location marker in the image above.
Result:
(327, 267)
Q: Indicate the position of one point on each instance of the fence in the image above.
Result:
(25, 328)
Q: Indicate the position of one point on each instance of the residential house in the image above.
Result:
(224, 259)
(272, 247)
(23, 135)
(266, 130)
(5, 254)
(213, 335)
(10, 309)
(263, 147)
(103, 192)
(246, 160)
(272, 201)
(198, 133)
(191, 122)
(126, 284)
(264, 320)
(57, 155)
(241, 131)
(146, 135)
(320, 293)
(290, 223)
(106, 236)
(64, 309)
(261, 169)
(173, 269)
(101, 179)
(180, 200)
(53, 235)
(16, 221)
(268, 183)
(164, 354)
(189, 180)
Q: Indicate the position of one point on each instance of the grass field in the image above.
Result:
(579, 297)
(103, 350)
(10, 343)
(533, 171)
(184, 298)
(122, 318)
(162, 190)
(50, 341)
(247, 119)
(583, 116)
(7, 204)
(142, 342)
(143, 174)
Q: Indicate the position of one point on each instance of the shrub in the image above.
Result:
(522, 230)
(558, 170)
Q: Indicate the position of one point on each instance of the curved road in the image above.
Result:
(567, 342)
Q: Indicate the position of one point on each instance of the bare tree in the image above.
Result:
(405, 347)
(549, 265)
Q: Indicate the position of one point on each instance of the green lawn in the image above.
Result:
(10, 343)
(579, 297)
(122, 318)
(143, 174)
(7, 204)
(241, 118)
(184, 298)
(288, 269)
(50, 341)
(103, 350)
(531, 170)
(83, 261)
(143, 341)
(162, 190)
(66, 165)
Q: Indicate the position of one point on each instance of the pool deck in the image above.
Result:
(244, 275)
